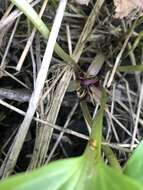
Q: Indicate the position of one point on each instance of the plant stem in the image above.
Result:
(130, 68)
(111, 158)
(97, 125)
(96, 134)
(25, 7)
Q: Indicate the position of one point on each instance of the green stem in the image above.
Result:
(25, 7)
(96, 134)
(111, 158)
(86, 113)
(130, 68)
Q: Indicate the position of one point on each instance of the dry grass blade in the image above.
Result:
(59, 128)
(87, 30)
(62, 133)
(97, 44)
(119, 56)
(3, 62)
(14, 151)
(4, 31)
(30, 40)
(43, 145)
(137, 118)
(7, 21)
(45, 132)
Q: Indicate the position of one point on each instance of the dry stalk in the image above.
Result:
(43, 146)
(14, 151)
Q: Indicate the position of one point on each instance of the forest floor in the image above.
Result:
(98, 44)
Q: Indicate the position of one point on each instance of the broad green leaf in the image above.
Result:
(71, 174)
(134, 166)
(53, 176)
(82, 173)
(109, 179)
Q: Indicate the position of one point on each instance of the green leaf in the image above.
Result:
(53, 176)
(106, 178)
(130, 68)
(71, 174)
(134, 166)
(109, 179)
(82, 173)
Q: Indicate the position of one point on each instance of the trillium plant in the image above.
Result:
(88, 171)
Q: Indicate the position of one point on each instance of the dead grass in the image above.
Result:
(85, 33)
